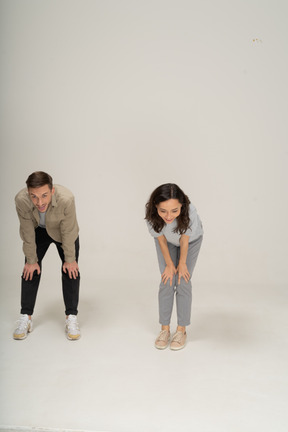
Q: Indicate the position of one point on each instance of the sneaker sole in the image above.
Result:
(162, 347)
(22, 335)
(178, 348)
(72, 337)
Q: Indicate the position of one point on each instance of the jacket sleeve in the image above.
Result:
(27, 234)
(69, 231)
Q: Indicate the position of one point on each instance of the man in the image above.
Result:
(47, 215)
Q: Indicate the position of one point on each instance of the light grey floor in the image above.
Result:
(232, 376)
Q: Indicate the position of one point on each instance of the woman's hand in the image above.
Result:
(183, 272)
(169, 273)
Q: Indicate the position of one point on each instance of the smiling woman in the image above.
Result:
(166, 199)
(169, 210)
(174, 223)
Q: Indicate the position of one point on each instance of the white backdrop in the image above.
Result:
(113, 98)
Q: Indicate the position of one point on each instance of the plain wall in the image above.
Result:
(114, 98)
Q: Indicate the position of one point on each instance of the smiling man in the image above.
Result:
(47, 215)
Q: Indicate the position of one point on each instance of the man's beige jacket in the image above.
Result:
(61, 222)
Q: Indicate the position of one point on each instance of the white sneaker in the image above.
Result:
(25, 326)
(72, 328)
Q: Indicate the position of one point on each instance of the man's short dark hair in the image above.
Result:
(38, 179)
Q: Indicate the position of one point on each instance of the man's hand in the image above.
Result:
(29, 270)
(72, 268)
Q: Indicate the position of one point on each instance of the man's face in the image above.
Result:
(41, 197)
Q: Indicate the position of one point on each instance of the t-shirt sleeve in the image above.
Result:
(195, 229)
(152, 232)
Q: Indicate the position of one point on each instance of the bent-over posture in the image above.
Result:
(174, 223)
(47, 215)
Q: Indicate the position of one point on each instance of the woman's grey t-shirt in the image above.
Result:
(194, 231)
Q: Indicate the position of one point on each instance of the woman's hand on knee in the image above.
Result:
(182, 271)
(168, 273)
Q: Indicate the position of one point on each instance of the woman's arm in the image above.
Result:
(170, 269)
(182, 267)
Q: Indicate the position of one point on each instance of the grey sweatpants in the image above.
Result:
(183, 290)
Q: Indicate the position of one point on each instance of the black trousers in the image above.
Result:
(70, 287)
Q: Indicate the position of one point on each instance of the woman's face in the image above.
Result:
(169, 210)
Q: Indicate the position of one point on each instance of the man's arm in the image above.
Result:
(69, 233)
(27, 234)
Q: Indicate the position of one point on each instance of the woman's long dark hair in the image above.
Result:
(164, 193)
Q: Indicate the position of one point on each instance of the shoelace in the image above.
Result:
(177, 337)
(22, 323)
(72, 324)
(162, 336)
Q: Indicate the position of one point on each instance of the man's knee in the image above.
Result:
(35, 277)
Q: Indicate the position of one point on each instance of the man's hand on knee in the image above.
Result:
(29, 270)
(72, 268)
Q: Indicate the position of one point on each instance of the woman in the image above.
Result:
(174, 223)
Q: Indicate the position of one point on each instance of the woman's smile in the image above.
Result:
(169, 210)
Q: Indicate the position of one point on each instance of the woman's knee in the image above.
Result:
(183, 286)
(168, 284)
